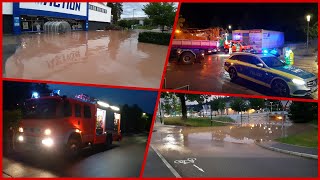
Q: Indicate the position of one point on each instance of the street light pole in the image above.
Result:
(308, 20)
(133, 13)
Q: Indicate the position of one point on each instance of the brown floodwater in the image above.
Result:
(97, 57)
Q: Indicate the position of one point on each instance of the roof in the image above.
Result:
(134, 18)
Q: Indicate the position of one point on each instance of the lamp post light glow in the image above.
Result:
(230, 27)
(308, 20)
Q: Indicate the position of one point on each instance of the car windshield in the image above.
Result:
(40, 108)
(273, 61)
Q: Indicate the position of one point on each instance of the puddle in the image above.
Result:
(107, 57)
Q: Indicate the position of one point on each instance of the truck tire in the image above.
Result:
(73, 146)
(233, 74)
(280, 88)
(187, 58)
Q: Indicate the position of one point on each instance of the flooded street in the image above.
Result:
(95, 57)
(227, 151)
(211, 76)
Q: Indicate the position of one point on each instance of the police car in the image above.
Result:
(272, 72)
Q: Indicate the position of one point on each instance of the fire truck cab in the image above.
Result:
(56, 122)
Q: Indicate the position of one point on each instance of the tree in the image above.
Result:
(147, 22)
(162, 14)
(239, 105)
(214, 104)
(313, 31)
(185, 97)
(256, 103)
(116, 11)
(222, 104)
(302, 112)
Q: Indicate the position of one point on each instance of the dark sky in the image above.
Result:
(289, 18)
(144, 99)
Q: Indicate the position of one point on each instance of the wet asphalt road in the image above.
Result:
(210, 76)
(224, 152)
(123, 159)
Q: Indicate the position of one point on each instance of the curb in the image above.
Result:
(310, 156)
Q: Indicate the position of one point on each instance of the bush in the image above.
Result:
(155, 38)
(113, 27)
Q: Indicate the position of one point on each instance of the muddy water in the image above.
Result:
(182, 139)
(104, 57)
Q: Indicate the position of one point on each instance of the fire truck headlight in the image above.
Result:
(20, 138)
(47, 132)
(47, 142)
(21, 129)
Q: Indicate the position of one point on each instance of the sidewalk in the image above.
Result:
(290, 149)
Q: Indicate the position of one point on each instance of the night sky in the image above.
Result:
(118, 97)
(289, 18)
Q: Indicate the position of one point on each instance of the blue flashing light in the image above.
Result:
(56, 91)
(35, 95)
(265, 51)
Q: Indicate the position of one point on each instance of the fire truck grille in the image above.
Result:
(32, 130)
(32, 140)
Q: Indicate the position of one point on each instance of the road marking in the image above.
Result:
(187, 161)
(173, 171)
(200, 169)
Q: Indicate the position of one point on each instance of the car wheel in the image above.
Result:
(233, 74)
(187, 58)
(280, 88)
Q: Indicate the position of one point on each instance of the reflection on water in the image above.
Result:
(177, 138)
(108, 57)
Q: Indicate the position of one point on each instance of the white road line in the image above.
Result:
(200, 169)
(174, 172)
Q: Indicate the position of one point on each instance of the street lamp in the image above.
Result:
(133, 13)
(308, 20)
(229, 27)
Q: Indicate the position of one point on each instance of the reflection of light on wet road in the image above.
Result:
(109, 57)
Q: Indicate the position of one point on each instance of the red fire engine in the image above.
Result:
(55, 122)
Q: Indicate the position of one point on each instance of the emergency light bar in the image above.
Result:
(115, 108)
(103, 104)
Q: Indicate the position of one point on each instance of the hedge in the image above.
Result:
(155, 38)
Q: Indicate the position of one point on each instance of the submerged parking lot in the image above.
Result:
(95, 57)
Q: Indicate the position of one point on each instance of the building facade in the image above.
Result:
(31, 16)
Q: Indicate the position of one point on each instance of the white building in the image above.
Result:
(26, 17)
